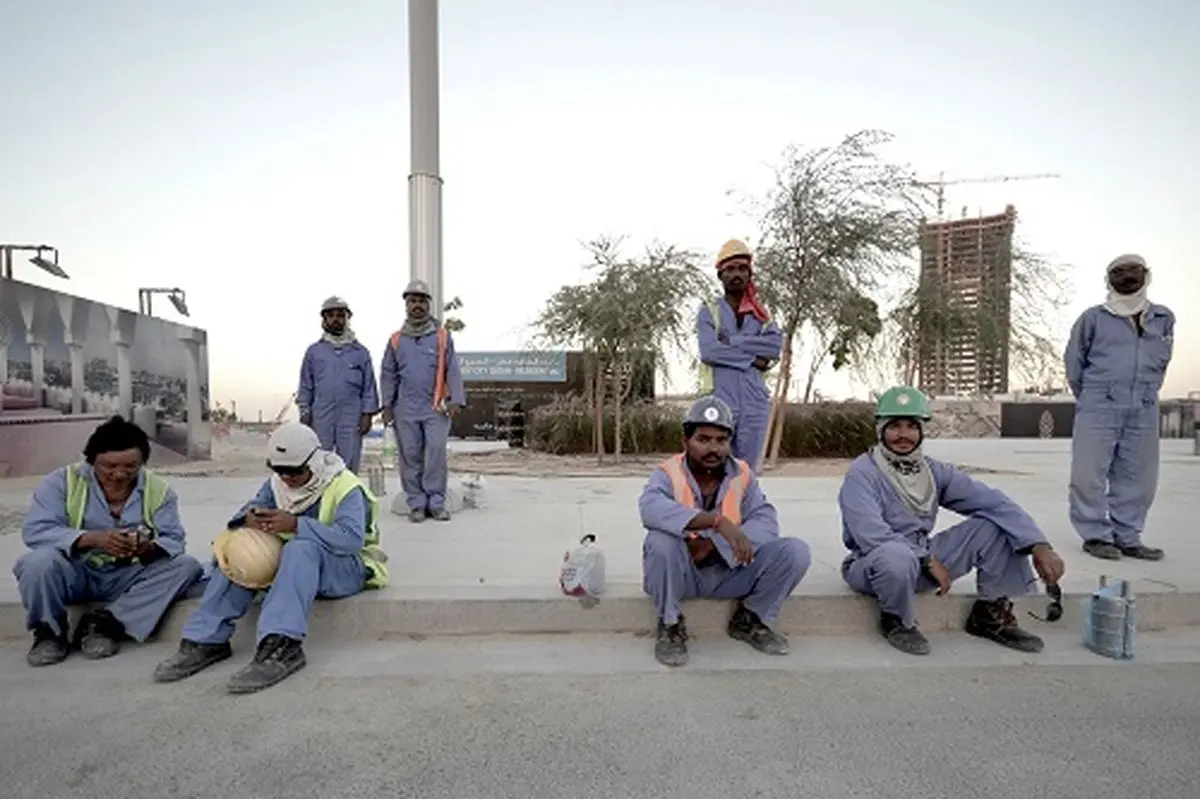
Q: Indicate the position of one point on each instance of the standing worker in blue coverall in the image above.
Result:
(104, 530)
(338, 395)
(1116, 360)
(738, 344)
(421, 387)
(328, 521)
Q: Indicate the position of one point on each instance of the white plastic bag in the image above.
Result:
(582, 572)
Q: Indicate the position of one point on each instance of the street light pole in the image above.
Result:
(424, 182)
(39, 260)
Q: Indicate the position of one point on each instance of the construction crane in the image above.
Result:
(941, 183)
(287, 406)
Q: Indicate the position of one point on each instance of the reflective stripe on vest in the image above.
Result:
(731, 504)
(439, 383)
(372, 555)
(154, 494)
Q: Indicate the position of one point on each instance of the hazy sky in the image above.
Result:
(255, 152)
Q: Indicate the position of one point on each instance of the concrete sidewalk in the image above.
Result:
(495, 570)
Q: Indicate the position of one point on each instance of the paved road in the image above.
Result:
(594, 717)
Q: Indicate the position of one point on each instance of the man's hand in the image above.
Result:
(118, 543)
(388, 416)
(275, 521)
(722, 337)
(940, 575)
(700, 548)
(364, 424)
(306, 417)
(762, 364)
(1048, 565)
(743, 550)
(452, 409)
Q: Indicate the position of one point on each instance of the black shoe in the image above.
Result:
(99, 635)
(1141, 552)
(746, 626)
(48, 647)
(416, 516)
(277, 657)
(670, 649)
(439, 515)
(191, 658)
(1102, 549)
(908, 640)
(995, 621)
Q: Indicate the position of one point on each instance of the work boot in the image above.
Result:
(99, 635)
(439, 515)
(416, 516)
(191, 658)
(48, 647)
(995, 621)
(908, 640)
(1102, 549)
(1141, 552)
(277, 657)
(745, 625)
(670, 648)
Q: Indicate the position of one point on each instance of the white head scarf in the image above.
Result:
(1126, 305)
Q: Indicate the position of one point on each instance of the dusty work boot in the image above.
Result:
(439, 515)
(995, 621)
(191, 658)
(1141, 552)
(746, 626)
(277, 657)
(416, 516)
(1102, 549)
(99, 635)
(48, 647)
(670, 648)
(908, 640)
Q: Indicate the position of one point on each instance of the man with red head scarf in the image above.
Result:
(738, 344)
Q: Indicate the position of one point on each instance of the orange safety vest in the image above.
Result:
(731, 506)
(439, 384)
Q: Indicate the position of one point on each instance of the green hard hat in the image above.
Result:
(903, 402)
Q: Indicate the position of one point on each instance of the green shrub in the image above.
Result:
(825, 430)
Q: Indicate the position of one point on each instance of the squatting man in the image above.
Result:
(103, 530)
(889, 501)
(326, 519)
(711, 533)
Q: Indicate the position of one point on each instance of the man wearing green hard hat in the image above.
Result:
(889, 502)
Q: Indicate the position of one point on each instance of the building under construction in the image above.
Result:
(966, 288)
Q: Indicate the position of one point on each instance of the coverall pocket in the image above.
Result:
(1157, 350)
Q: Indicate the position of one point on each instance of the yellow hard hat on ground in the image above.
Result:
(248, 557)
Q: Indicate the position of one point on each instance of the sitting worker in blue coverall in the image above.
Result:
(1116, 360)
(710, 532)
(889, 502)
(327, 518)
(103, 530)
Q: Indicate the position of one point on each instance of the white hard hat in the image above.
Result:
(710, 411)
(335, 304)
(417, 287)
(248, 557)
(291, 445)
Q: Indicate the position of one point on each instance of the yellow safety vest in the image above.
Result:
(372, 555)
(707, 379)
(154, 494)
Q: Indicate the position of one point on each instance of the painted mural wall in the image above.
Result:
(62, 355)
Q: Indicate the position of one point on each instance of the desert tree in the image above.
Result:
(837, 226)
(632, 312)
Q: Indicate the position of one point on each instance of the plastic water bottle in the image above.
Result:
(1110, 620)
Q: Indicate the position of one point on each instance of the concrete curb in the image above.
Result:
(418, 613)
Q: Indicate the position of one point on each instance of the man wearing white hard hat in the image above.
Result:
(421, 387)
(739, 344)
(1116, 359)
(327, 520)
(338, 395)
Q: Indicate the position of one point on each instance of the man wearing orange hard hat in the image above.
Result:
(738, 345)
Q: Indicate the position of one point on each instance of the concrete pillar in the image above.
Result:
(37, 364)
(191, 339)
(122, 332)
(74, 334)
(424, 182)
(28, 306)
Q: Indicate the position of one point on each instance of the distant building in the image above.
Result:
(967, 265)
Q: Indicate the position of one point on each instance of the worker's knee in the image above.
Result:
(893, 562)
(39, 564)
